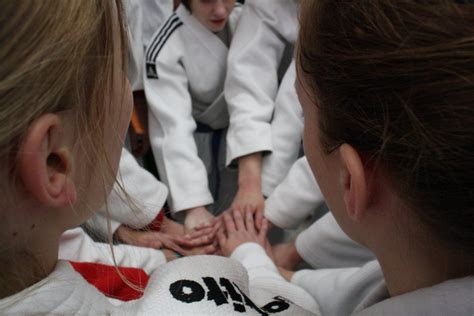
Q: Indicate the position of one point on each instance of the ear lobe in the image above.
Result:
(354, 182)
(46, 164)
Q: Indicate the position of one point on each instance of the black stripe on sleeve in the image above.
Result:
(163, 42)
(162, 34)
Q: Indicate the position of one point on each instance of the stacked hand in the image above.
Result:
(171, 237)
(250, 200)
(239, 228)
(197, 218)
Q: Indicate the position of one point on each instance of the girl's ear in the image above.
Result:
(46, 163)
(354, 180)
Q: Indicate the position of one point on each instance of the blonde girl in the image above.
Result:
(65, 106)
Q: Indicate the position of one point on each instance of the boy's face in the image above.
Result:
(213, 14)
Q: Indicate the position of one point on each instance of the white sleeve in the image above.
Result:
(97, 226)
(76, 245)
(155, 13)
(287, 134)
(325, 245)
(141, 203)
(264, 275)
(295, 198)
(134, 16)
(171, 128)
(340, 291)
(252, 74)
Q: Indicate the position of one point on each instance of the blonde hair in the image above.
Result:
(56, 56)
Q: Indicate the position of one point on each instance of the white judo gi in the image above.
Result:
(138, 207)
(266, 116)
(362, 291)
(184, 83)
(295, 198)
(200, 285)
(287, 126)
(263, 42)
(144, 17)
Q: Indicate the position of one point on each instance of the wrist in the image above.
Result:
(170, 255)
(250, 169)
(250, 183)
(294, 255)
(196, 209)
(120, 234)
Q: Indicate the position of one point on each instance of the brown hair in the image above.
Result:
(395, 79)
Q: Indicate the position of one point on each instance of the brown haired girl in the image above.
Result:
(387, 89)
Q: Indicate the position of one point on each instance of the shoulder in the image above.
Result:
(270, 9)
(166, 36)
(162, 36)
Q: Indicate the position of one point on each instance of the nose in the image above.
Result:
(220, 10)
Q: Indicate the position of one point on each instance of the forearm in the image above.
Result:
(250, 169)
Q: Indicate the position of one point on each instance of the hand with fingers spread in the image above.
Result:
(197, 217)
(171, 227)
(195, 243)
(238, 229)
(252, 201)
(204, 239)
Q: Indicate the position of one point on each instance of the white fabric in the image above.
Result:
(295, 198)
(146, 197)
(184, 82)
(325, 245)
(134, 15)
(76, 245)
(144, 17)
(155, 13)
(287, 134)
(200, 285)
(267, 28)
(362, 291)
(264, 274)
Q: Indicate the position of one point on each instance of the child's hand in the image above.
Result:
(250, 199)
(185, 246)
(197, 217)
(286, 255)
(171, 227)
(239, 231)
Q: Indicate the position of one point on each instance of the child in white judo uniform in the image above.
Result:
(184, 82)
(143, 18)
(134, 215)
(66, 104)
(259, 57)
(137, 217)
(387, 92)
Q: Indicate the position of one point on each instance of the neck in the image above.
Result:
(409, 268)
(22, 269)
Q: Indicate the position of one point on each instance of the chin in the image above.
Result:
(216, 28)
